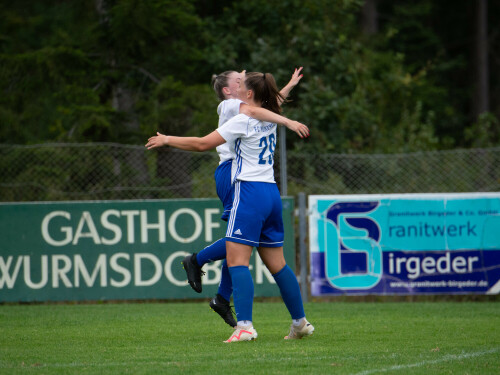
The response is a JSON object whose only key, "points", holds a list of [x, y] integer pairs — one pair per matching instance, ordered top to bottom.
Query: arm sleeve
{"points": [[229, 108], [234, 128]]}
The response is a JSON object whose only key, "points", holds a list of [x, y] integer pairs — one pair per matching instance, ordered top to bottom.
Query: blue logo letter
{"points": [[353, 259]]}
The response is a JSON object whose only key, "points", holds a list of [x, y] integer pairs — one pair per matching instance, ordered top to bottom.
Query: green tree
{"points": [[443, 37], [116, 70], [79, 71], [354, 97]]}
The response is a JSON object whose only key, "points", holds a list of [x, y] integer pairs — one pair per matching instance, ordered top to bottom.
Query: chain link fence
{"points": [[105, 171]]}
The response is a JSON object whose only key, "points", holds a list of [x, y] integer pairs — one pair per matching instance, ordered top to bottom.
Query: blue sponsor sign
{"points": [[405, 244]]}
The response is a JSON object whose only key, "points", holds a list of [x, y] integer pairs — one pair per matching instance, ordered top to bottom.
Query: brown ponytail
{"points": [[265, 90]]}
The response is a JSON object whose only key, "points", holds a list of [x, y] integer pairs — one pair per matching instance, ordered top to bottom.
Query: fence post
{"points": [[283, 175], [302, 247]]}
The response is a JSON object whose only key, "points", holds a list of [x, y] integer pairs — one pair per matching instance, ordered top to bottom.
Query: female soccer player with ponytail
{"points": [[226, 87], [256, 216]]}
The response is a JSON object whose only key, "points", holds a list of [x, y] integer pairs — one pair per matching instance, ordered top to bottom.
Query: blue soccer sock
{"points": [[213, 252], [226, 285], [242, 292], [290, 292]]}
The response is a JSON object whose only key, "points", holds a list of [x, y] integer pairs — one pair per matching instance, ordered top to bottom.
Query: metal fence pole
{"points": [[283, 175], [302, 247]]}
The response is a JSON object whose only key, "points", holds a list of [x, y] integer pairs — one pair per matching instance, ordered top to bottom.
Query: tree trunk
{"points": [[369, 19], [482, 71], [123, 100]]}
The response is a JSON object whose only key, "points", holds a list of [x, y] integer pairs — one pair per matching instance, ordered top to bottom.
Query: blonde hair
{"points": [[219, 81]]}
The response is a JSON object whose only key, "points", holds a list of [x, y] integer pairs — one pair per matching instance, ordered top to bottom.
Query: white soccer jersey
{"points": [[226, 110], [253, 143]]}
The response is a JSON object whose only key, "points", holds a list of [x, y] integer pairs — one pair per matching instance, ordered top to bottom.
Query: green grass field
{"points": [[187, 338]]}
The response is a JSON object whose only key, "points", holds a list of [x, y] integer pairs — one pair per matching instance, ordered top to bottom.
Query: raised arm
{"points": [[296, 77], [263, 114], [198, 144]]}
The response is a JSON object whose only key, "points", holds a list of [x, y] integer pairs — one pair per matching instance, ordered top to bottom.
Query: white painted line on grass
{"points": [[446, 358]]}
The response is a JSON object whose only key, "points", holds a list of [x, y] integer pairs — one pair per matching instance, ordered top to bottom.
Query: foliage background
{"points": [[119, 70]]}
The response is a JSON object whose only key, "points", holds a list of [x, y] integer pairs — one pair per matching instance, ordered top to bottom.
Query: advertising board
{"points": [[405, 244], [114, 250]]}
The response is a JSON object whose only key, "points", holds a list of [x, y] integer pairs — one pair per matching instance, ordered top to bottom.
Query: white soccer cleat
{"points": [[297, 332], [242, 334]]}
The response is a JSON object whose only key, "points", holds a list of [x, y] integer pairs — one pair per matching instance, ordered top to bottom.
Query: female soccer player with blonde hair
{"points": [[226, 87], [256, 215]]}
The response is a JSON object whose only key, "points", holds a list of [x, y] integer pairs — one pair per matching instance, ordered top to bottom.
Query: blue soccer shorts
{"points": [[224, 188], [256, 217]]}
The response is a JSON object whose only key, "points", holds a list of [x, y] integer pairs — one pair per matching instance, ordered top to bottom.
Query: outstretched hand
{"points": [[296, 77], [285, 91], [299, 128], [159, 140]]}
